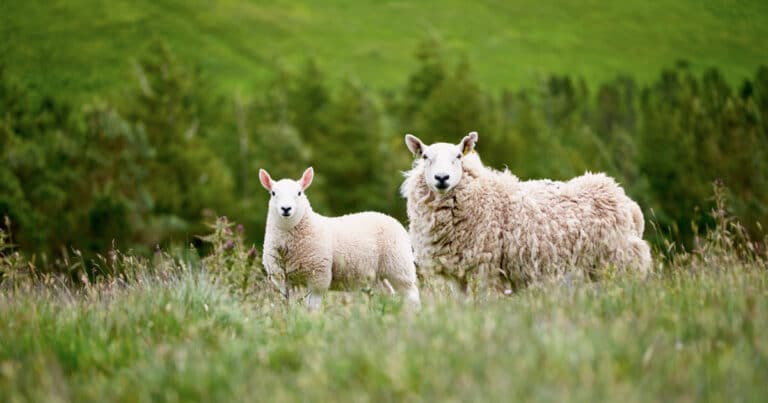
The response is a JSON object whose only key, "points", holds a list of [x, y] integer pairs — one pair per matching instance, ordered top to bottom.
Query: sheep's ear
{"points": [[468, 143], [414, 144], [306, 178], [265, 179]]}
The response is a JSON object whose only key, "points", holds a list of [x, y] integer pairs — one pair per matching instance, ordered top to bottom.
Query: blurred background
{"points": [[133, 124]]}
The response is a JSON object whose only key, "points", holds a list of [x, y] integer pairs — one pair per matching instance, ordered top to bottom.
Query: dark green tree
{"points": [[353, 159], [185, 178]]}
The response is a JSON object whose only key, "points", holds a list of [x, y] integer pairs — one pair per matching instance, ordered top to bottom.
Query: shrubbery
{"points": [[152, 166]]}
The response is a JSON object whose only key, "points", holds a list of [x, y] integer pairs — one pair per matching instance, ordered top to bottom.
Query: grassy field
{"points": [[80, 48], [175, 328], [693, 332]]}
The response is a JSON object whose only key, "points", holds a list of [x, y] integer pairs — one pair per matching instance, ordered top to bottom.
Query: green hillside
{"points": [[83, 47]]}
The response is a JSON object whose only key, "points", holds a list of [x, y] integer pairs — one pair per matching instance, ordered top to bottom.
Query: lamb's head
{"points": [[442, 161], [288, 203]]}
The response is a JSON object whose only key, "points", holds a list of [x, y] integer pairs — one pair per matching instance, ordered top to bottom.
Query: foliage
{"points": [[694, 131], [153, 166], [90, 177], [230, 261]]}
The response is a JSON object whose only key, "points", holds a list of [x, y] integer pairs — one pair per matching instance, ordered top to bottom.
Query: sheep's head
{"points": [[442, 161], [288, 203]]}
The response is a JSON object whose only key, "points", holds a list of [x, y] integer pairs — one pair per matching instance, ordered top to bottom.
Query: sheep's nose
{"points": [[442, 180], [286, 210]]}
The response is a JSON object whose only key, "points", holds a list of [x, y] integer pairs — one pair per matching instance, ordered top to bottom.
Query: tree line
{"points": [[153, 165]]}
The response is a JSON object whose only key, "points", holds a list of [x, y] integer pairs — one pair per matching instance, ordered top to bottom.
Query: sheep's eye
{"points": [[424, 156], [458, 156], [299, 192], [273, 193]]}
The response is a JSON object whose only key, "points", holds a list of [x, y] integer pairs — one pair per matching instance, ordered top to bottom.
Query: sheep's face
{"points": [[442, 161], [288, 203]]}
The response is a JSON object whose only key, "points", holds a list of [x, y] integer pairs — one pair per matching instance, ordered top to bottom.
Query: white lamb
{"points": [[467, 219], [336, 253]]}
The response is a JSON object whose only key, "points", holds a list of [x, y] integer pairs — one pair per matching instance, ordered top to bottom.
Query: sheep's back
{"points": [[492, 221], [571, 223], [359, 241]]}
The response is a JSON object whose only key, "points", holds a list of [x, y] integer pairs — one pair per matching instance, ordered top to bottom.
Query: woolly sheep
{"points": [[467, 219], [333, 253]]}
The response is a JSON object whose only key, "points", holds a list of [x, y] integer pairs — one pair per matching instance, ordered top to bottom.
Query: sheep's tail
{"points": [[637, 218], [640, 254]]}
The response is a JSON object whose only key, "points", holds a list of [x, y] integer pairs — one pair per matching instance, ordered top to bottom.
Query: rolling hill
{"points": [[84, 47]]}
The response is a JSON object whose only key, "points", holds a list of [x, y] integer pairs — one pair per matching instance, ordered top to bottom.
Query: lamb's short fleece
{"points": [[337, 253]]}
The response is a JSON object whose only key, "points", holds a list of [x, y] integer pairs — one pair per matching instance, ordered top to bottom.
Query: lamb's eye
{"points": [[424, 156], [459, 156], [299, 192], [273, 193]]}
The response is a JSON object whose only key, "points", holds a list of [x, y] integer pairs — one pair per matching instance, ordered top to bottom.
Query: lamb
{"points": [[467, 219], [334, 253]]}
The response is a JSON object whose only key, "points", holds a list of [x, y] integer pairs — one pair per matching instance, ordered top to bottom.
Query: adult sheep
{"points": [[468, 219], [333, 253]]}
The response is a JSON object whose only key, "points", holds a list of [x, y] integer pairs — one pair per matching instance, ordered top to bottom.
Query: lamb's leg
{"points": [[398, 268], [401, 275], [318, 283], [388, 286], [407, 288], [412, 296], [314, 300]]}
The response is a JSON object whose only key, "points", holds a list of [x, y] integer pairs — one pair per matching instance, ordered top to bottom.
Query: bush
{"points": [[151, 168]]}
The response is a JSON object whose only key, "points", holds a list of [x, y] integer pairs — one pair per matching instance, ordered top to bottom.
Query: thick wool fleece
{"points": [[492, 223], [342, 253]]}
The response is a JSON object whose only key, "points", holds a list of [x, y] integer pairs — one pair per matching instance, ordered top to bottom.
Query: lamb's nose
{"points": [[442, 177], [286, 210]]}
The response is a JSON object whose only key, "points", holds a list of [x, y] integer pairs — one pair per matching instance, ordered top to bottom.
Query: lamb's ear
{"points": [[468, 143], [414, 144], [306, 178], [265, 179]]}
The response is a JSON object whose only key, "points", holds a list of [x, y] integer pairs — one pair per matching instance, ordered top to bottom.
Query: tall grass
{"points": [[173, 328]]}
